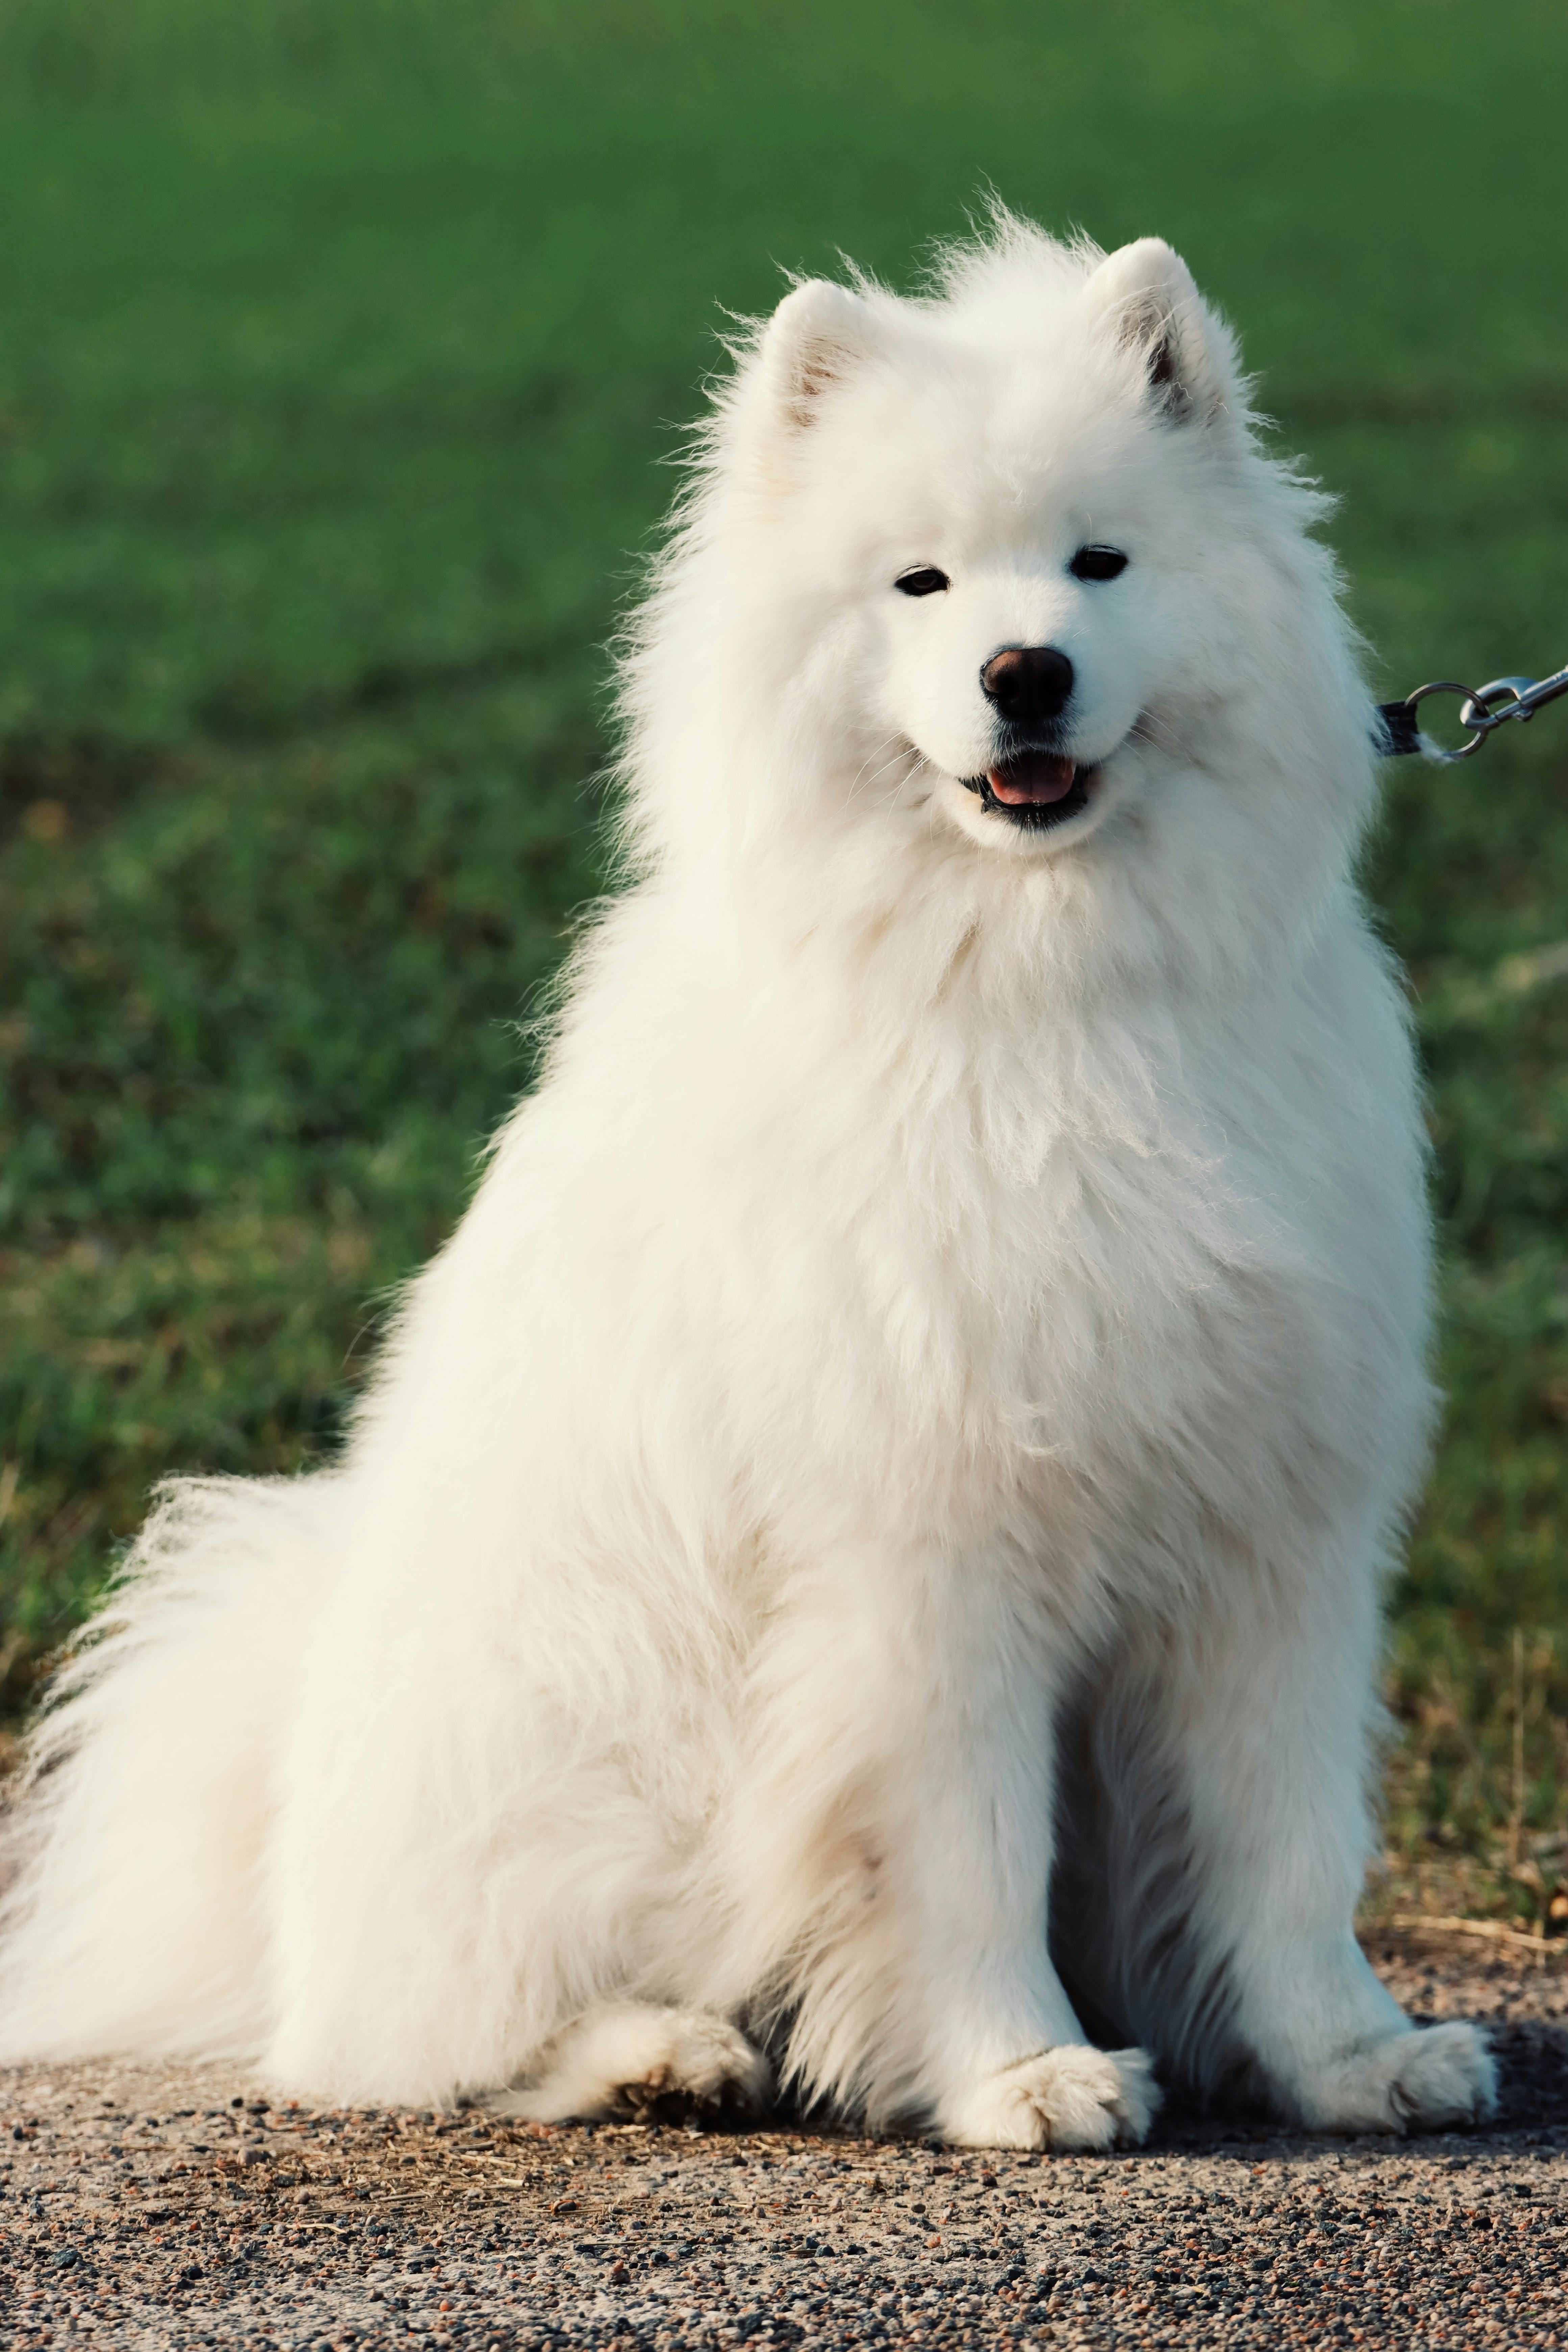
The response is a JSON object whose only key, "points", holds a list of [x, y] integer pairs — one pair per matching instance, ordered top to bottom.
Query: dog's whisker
{"points": [[1148, 728], [900, 755]]}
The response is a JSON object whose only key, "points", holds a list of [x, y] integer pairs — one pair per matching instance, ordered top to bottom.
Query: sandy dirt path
{"points": [[148, 2206]]}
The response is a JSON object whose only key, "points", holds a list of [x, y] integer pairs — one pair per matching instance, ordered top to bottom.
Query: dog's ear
{"points": [[1145, 294], [819, 336]]}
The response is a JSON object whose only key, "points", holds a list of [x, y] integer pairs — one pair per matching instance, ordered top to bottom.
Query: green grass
{"points": [[340, 343]]}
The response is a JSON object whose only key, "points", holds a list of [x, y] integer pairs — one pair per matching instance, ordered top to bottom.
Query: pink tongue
{"points": [[1033, 781]]}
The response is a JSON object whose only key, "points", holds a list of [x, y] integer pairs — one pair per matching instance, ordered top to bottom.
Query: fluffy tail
{"points": [[133, 1918]]}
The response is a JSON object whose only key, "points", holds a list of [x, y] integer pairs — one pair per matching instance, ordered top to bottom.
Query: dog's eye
{"points": [[1098, 563], [924, 580]]}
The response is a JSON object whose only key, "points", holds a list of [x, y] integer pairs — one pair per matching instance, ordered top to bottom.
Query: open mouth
{"points": [[1035, 789]]}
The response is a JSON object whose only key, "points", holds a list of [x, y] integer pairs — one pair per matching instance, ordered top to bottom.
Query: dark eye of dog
{"points": [[1098, 563], [925, 580]]}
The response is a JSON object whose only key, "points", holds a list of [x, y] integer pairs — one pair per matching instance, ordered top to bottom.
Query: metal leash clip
{"points": [[1518, 697]]}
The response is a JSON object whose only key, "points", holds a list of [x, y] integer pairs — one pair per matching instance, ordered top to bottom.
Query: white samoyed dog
{"points": [[862, 1559]]}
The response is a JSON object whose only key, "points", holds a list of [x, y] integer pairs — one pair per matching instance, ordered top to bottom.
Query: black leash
{"points": [[1516, 697]]}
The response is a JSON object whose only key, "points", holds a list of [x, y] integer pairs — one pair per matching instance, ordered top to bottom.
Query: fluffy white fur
{"points": [[911, 1427]]}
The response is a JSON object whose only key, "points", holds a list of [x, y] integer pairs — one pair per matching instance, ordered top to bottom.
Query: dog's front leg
{"points": [[1267, 1701], [890, 1857]]}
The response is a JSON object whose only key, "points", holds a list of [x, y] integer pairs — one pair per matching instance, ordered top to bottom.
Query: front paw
{"points": [[633, 2058], [1431, 2078], [1067, 2098]]}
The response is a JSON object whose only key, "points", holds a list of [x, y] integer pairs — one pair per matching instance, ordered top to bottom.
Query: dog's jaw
{"points": [[1037, 792], [1034, 830]]}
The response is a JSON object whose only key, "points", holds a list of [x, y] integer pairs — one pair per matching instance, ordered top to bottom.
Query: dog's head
{"points": [[1006, 564]]}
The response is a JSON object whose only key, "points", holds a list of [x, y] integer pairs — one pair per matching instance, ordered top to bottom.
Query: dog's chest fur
{"points": [[980, 1270]]}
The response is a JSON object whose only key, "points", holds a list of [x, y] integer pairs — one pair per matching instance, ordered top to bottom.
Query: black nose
{"points": [[1029, 684]]}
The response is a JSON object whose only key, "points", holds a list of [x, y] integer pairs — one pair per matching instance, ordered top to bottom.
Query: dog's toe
{"points": [[631, 2058], [1427, 2080], [1067, 2098]]}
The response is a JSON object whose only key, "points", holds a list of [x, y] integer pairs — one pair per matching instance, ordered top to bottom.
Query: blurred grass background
{"points": [[341, 341]]}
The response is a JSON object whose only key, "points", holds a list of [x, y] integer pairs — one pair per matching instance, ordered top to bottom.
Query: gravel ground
{"points": [[151, 2207]]}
